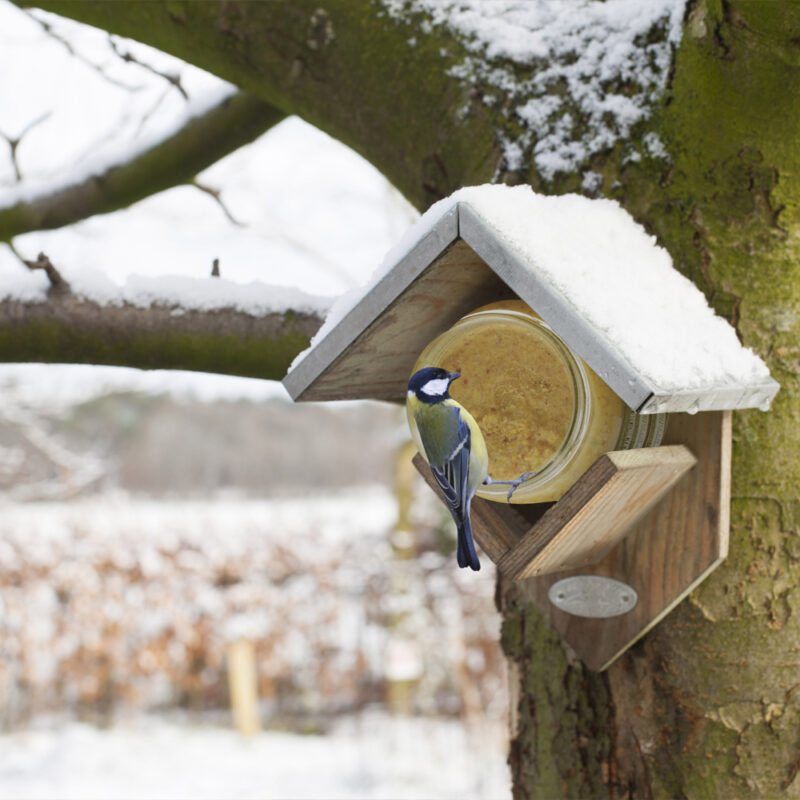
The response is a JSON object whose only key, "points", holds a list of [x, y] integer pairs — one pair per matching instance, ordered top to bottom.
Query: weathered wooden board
{"points": [[371, 353], [378, 363], [594, 515], [666, 554], [663, 555]]}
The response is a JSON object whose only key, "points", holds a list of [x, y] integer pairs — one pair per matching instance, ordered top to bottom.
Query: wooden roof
{"points": [[458, 264]]}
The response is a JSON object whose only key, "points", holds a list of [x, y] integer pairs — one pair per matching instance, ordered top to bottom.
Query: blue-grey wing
{"points": [[452, 474]]}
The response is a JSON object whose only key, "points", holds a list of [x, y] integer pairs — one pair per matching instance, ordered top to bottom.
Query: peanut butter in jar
{"points": [[540, 408]]}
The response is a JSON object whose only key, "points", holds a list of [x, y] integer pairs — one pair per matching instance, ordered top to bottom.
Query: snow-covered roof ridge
{"points": [[596, 277]]}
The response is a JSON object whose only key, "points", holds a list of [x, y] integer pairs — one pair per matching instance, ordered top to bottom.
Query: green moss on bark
{"points": [[727, 210], [51, 341], [705, 707], [563, 746]]}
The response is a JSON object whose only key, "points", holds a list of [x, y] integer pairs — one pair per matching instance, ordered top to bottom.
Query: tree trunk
{"points": [[707, 704]]}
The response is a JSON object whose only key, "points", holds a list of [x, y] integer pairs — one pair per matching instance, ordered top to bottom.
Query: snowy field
{"points": [[133, 599], [137, 600], [368, 756]]}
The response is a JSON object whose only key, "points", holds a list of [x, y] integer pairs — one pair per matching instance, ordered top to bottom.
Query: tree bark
{"points": [[341, 66], [177, 159], [66, 328], [707, 704]]}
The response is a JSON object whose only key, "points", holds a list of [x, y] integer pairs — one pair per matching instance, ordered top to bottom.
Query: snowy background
{"points": [[148, 519]]}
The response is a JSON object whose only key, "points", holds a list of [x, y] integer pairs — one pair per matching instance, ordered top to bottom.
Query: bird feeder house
{"points": [[639, 527]]}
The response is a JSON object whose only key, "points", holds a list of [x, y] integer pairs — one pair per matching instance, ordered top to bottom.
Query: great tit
{"points": [[455, 449]]}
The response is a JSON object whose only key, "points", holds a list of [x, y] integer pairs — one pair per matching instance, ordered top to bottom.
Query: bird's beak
{"points": [[454, 375]]}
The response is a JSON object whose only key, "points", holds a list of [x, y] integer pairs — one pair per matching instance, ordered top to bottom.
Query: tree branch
{"points": [[48, 29], [335, 66], [14, 142], [176, 160], [216, 194], [67, 328]]}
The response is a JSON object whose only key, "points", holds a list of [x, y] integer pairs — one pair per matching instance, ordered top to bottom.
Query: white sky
{"points": [[314, 214]]}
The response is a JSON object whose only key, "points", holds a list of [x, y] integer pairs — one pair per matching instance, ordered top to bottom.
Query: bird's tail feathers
{"points": [[466, 555]]}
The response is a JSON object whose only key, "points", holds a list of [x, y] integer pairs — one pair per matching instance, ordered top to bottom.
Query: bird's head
{"points": [[431, 384]]}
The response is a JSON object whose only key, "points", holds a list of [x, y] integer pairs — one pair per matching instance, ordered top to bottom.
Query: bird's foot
{"points": [[517, 481], [514, 484]]}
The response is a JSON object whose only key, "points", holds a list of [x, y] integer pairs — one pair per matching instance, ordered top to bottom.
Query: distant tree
{"points": [[695, 134]]}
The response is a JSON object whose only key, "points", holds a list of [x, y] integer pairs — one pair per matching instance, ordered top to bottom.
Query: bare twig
{"points": [[48, 29], [129, 58], [150, 111], [13, 142], [217, 195], [15, 252], [57, 283]]}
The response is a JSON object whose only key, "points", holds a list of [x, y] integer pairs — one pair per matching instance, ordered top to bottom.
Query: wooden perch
{"points": [[597, 512]]}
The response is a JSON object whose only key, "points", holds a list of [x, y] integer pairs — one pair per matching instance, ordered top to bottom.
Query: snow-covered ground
{"points": [[110, 606], [366, 756]]}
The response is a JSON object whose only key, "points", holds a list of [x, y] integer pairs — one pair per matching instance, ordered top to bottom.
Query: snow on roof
{"points": [[519, 52], [612, 272], [608, 275]]}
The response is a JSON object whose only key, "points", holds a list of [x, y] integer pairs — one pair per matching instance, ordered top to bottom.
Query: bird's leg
{"points": [[514, 484]]}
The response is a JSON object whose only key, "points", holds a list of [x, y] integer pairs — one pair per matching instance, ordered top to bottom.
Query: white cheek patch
{"points": [[436, 387]]}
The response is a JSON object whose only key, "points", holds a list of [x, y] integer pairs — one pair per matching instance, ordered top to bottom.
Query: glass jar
{"points": [[541, 408]]}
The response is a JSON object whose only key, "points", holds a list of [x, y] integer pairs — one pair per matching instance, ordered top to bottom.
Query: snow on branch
{"points": [[129, 58], [569, 79], [204, 136], [170, 322]]}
